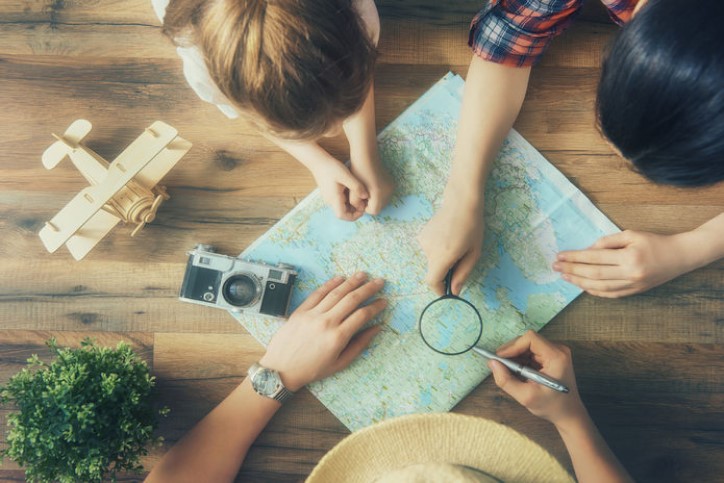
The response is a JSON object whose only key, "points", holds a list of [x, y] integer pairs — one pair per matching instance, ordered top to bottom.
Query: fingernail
{"points": [[561, 257], [557, 267], [360, 275], [566, 277], [338, 278], [378, 281]]}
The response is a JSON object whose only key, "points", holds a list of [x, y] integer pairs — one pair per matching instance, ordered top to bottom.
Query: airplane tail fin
{"points": [[66, 143]]}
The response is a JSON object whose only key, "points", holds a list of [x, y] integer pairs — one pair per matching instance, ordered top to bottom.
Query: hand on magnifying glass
{"points": [[452, 238]]}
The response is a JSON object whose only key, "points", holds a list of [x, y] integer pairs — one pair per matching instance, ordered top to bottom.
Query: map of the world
{"points": [[531, 212]]}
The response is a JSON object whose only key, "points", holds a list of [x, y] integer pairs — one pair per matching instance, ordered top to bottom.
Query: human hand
{"points": [[376, 178], [341, 189], [452, 237], [625, 263], [321, 337], [553, 360]]}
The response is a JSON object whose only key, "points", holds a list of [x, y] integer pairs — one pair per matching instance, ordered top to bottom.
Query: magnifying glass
{"points": [[450, 325]]}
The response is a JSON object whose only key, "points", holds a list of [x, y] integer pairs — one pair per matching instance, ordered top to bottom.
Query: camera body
{"points": [[234, 284]]}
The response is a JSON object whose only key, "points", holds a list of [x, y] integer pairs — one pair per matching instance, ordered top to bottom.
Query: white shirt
{"points": [[197, 75]]}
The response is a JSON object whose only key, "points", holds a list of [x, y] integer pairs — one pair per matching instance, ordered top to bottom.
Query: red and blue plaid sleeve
{"points": [[620, 11], [517, 32]]}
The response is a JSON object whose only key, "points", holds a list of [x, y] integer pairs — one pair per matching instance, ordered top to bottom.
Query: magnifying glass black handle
{"points": [[448, 282]]}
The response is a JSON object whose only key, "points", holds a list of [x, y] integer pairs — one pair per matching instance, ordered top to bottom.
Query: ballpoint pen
{"points": [[523, 371]]}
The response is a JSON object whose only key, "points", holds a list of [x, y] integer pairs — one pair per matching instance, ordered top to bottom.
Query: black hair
{"points": [[661, 95]]}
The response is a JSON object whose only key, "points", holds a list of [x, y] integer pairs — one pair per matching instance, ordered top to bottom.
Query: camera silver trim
{"points": [[266, 276]]}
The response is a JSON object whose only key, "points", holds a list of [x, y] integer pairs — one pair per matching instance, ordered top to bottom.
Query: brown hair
{"points": [[299, 65]]}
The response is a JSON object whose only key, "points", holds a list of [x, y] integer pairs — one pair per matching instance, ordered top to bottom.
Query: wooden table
{"points": [[649, 366]]}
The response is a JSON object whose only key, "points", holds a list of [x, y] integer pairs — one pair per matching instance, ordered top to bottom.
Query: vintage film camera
{"points": [[235, 284]]}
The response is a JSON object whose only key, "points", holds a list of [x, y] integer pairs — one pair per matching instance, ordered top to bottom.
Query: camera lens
{"points": [[240, 290]]}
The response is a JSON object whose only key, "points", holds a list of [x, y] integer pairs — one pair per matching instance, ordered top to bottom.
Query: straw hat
{"points": [[441, 447]]}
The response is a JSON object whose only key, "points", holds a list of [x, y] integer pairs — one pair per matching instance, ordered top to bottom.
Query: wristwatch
{"points": [[266, 382]]}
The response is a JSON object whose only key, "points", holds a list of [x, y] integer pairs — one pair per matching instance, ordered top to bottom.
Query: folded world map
{"points": [[531, 213]]}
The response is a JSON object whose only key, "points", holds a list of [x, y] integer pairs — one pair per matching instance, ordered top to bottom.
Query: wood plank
{"points": [[83, 11], [411, 33], [231, 146], [232, 222], [104, 295], [126, 296], [16, 346], [626, 385]]}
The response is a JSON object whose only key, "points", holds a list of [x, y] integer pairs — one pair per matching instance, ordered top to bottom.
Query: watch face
{"points": [[265, 382]]}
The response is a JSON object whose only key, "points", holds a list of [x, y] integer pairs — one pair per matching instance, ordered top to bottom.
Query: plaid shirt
{"points": [[516, 32]]}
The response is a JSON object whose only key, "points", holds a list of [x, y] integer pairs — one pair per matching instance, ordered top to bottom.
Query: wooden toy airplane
{"points": [[124, 190]]}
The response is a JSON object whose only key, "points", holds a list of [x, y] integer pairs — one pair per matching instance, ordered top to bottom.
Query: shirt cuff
{"points": [[518, 38]]}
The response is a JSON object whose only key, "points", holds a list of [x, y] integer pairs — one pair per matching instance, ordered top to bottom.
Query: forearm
{"points": [[491, 102], [361, 131], [312, 156], [706, 243], [215, 448], [592, 459]]}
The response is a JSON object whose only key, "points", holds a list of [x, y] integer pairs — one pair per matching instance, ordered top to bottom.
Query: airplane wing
{"points": [[66, 144], [142, 151], [163, 162], [91, 199], [73, 216], [91, 233]]}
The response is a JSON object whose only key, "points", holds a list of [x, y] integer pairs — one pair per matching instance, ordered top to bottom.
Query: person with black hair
{"points": [[660, 105]]}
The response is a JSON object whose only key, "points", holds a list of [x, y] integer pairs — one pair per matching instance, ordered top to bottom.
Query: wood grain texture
{"points": [[649, 366]]}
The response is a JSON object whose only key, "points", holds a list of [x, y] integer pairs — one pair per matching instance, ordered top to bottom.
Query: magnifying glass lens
{"points": [[450, 326]]}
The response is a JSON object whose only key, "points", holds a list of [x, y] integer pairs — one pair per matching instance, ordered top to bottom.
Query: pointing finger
{"points": [[592, 256], [593, 272], [597, 285], [321, 292], [338, 293], [354, 299], [361, 316], [357, 344]]}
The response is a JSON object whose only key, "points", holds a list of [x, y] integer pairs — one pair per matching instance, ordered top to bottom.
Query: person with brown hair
{"points": [[300, 70]]}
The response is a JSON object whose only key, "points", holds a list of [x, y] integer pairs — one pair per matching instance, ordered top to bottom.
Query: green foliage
{"points": [[84, 417]]}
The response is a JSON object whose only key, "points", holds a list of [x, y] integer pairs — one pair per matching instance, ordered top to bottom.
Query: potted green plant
{"points": [[84, 417]]}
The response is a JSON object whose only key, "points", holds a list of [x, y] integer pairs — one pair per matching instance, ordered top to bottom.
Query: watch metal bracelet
{"points": [[281, 394]]}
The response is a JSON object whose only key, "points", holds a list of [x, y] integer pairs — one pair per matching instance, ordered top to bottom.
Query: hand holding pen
{"points": [[550, 360], [524, 371]]}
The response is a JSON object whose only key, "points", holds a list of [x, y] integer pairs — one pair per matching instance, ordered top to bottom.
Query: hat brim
{"points": [[442, 437]]}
